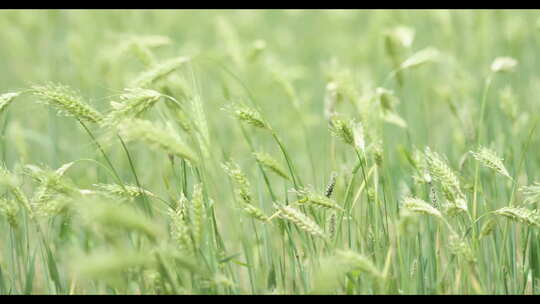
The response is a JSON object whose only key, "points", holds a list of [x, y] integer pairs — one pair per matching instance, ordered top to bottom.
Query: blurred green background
{"points": [[76, 47]]}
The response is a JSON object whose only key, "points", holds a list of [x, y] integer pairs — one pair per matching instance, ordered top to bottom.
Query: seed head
{"points": [[401, 35], [420, 58], [503, 64], [158, 72], [6, 99], [331, 99], [388, 101], [67, 102], [133, 103], [248, 115], [343, 130], [159, 138], [359, 140], [489, 158], [267, 161], [441, 172], [240, 179], [331, 184], [54, 191], [128, 191], [531, 193], [317, 200], [420, 206], [10, 210], [254, 212], [520, 214], [197, 215], [300, 219], [331, 224], [487, 228], [180, 230], [460, 248], [358, 262]]}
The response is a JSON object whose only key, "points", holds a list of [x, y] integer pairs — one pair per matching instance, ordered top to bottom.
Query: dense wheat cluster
{"points": [[269, 152]]}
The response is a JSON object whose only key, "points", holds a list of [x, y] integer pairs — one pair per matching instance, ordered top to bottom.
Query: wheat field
{"points": [[269, 152]]}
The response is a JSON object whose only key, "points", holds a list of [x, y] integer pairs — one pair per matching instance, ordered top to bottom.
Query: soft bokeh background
{"points": [[73, 47]]}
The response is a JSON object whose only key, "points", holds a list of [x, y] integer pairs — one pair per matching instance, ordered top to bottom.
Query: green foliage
{"points": [[349, 158]]}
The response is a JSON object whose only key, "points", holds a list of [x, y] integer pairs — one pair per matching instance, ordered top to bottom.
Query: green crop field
{"points": [[269, 152]]}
